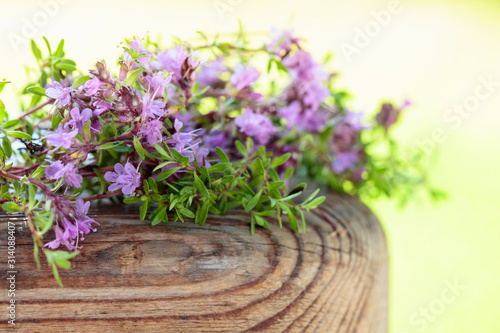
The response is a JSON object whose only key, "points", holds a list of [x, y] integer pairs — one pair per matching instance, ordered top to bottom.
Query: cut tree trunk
{"points": [[181, 277]]}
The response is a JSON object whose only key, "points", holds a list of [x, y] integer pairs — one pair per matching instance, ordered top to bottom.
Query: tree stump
{"points": [[181, 277]]}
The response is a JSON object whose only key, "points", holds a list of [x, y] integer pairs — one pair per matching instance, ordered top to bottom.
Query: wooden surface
{"points": [[133, 277]]}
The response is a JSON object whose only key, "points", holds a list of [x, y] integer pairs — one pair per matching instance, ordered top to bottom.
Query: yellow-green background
{"points": [[432, 52]]}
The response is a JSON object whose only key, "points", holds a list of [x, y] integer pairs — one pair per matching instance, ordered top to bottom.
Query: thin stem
{"points": [[35, 109], [40, 185], [103, 196]]}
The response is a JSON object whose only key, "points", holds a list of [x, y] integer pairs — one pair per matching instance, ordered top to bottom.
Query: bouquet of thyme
{"points": [[188, 130]]}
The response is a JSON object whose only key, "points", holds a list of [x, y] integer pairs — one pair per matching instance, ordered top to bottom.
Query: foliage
{"points": [[187, 131]]}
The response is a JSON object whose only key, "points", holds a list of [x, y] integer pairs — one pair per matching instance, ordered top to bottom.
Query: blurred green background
{"points": [[445, 263]]}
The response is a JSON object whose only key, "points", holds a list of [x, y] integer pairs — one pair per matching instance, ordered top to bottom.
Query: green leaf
{"points": [[47, 44], [60, 49], [36, 51], [65, 66], [133, 76], [80, 81], [2, 85], [36, 90], [174, 109], [56, 120], [10, 123], [86, 130], [19, 135], [108, 145], [249, 145], [7, 147], [138, 148], [240, 148], [161, 150], [222, 155], [183, 160], [280, 160], [164, 164], [220, 167], [259, 167], [38, 172], [288, 172], [165, 174], [205, 176], [227, 179], [102, 181], [145, 185], [275, 185], [201, 187], [291, 196], [311, 196], [132, 200], [252, 202], [315, 203], [10, 207], [143, 210], [186, 212], [201, 214], [278, 214], [160, 216], [261, 221], [293, 221], [303, 221], [252, 225], [37, 257], [61, 259]]}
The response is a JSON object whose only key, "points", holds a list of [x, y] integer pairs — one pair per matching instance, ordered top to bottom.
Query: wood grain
{"points": [[133, 277]]}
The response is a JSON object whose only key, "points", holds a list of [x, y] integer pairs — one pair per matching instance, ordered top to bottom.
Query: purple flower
{"points": [[282, 41], [171, 60], [181, 62], [301, 66], [209, 73], [244, 76], [159, 82], [92, 86], [59, 93], [312, 94], [101, 107], [152, 108], [292, 114], [389, 114], [78, 119], [186, 119], [354, 119], [304, 120], [255, 125], [95, 127], [152, 131], [346, 132], [61, 138], [215, 139], [184, 143], [201, 157], [345, 161], [69, 172], [358, 174], [125, 177], [71, 220], [83, 222], [62, 237]]}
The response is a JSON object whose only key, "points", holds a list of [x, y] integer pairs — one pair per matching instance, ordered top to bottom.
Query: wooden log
{"points": [[181, 277]]}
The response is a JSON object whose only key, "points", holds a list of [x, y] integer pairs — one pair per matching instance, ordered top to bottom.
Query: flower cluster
{"points": [[188, 130]]}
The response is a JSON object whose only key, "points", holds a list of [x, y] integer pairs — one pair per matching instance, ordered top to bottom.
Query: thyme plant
{"points": [[184, 131]]}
